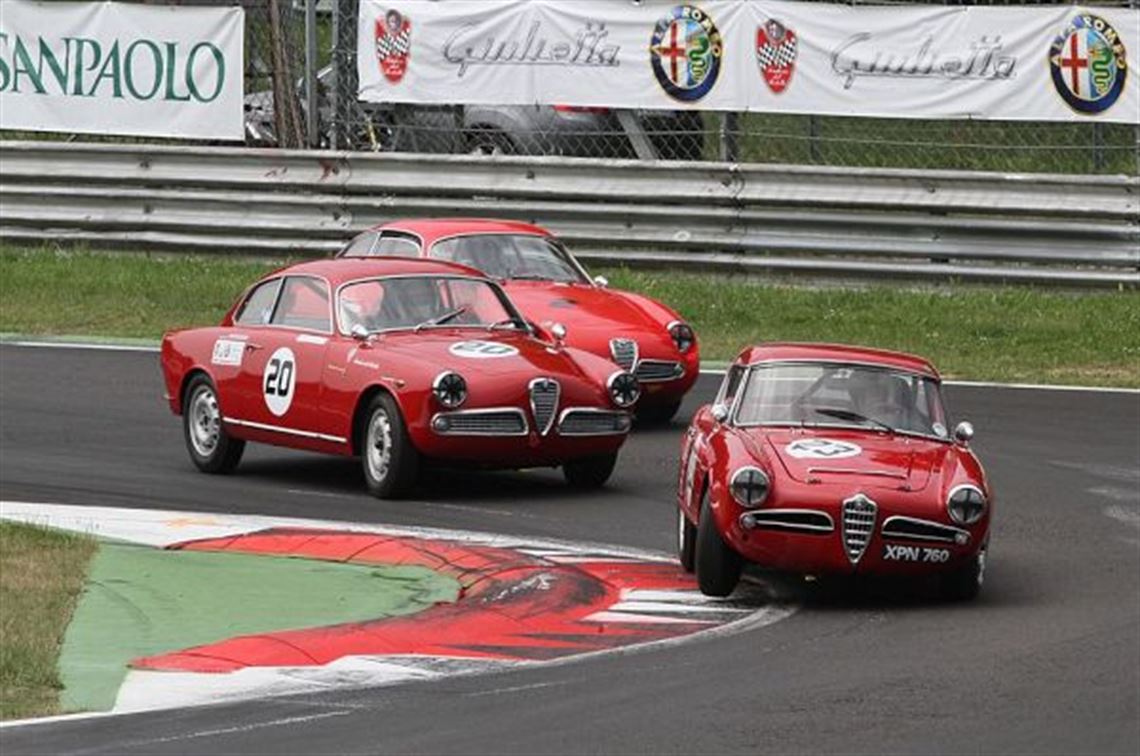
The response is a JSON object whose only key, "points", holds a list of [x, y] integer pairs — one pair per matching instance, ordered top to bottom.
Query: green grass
{"points": [[981, 333], [41, 577]]}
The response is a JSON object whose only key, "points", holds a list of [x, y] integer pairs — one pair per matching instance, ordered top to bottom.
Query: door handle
{"points": [[251, 347]]}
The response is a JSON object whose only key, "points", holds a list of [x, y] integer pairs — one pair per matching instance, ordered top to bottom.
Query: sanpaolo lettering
{"points": [[137, 69]]}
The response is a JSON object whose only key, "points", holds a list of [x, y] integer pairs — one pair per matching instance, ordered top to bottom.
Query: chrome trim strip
{"points": [[841, 363], [677, 369], [485, 411], [592, 411], [290, 431], [853, 471], [758, 519], [954, 534]]}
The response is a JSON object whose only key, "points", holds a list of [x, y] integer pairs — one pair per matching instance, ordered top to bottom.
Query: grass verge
{"points": [[970, 332], [41, 577]]}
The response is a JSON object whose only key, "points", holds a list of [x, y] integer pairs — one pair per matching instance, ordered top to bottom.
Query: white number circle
{"points": [[482, 350], [278, 381], [822, 448]]}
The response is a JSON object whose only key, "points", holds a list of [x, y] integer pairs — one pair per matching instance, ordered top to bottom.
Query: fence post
{"points": [[312, 128], [730, 137], [813, 139]]}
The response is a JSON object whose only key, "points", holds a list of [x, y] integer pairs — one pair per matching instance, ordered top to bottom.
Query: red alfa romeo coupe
{"points": [[551, 287], [399, 362], [823, 459]]}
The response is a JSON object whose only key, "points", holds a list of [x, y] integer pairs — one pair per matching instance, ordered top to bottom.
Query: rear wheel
{"points": [[486, 141], [212, 450], [389, 460], [589, 472], [686, 541], [718, 566], [965, 583]]}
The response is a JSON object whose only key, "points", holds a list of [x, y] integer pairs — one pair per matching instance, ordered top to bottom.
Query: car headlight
{"points": [[683, 335], [624, 388], [450, 389], [749, 486], [966, 504]]}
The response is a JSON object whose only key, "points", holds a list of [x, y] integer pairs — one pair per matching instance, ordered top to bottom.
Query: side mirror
{"points": [[601, 281], [558, 331], [359, 332], [719, 412], [963, 432]]}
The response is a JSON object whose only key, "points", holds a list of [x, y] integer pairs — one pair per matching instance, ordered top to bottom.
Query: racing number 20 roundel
{"points": [[686, 51], [1089, 64], [278, 381]]}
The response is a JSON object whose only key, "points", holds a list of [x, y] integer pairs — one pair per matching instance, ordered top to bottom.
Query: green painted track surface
{"points": [[141, 601]]}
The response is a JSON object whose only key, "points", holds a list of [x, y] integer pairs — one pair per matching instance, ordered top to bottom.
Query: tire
{"points": [[482, 141], [657, 414], [211, 449], [390, 462], [589, 472], [686, 542], [718, 566], [965, 583]]}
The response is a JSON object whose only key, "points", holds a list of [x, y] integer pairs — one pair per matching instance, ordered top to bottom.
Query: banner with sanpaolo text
{"points": [[1040, 63], [120, 68]]}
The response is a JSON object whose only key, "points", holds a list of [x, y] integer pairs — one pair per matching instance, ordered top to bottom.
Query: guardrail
{"points": [[1047, 229]]}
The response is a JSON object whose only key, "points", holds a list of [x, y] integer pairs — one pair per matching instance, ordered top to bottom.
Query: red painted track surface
{"points": [[513, 606]]}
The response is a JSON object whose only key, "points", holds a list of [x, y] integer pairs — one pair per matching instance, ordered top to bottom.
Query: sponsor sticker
{"points": [[393, 44], [776, 48], [685, 51], [1089, 64], [482, 350], [228, 352], [279, 380], [822, 448], [893, 552]]}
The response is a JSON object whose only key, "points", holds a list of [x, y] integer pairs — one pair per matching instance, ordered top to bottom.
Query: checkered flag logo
{"points": [[393, 45], [397, 45], [776, 48]]}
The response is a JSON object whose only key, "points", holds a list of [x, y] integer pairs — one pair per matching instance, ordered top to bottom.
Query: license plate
{"points": [[893, 552]]}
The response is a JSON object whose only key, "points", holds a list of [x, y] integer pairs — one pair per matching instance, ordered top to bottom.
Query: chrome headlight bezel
{"points": [[683, 335], [624, 388], [449, 389], [750, 486], [966, 504]]}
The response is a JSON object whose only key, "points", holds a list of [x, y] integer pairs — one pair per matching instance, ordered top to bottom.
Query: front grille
{"points": [[624, 352], [658, 370], [543, 403], [497, 422], [587, 422], [795, 520], [858, 525], [913, 529]]}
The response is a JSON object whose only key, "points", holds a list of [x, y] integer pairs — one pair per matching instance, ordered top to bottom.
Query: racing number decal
{"points": [[482, 350], [278, 381]]}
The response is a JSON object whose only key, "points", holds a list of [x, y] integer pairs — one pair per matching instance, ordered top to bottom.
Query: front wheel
{"points": [[212, 450], [389, 460], [589, 472], [686, 542], [718, 566], [965, 583]]}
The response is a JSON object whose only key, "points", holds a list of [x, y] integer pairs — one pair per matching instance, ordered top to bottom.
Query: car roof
{"points": [[433, 229], [345, 269], [812, 352]]}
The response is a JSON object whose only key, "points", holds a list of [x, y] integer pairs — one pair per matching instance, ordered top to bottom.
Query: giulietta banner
{"points": [[1040, 63], [119, 68]]}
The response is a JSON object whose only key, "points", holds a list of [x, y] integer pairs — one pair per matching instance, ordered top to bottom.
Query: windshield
{"points": [[511, 256], [383, 304], [842, 395]]}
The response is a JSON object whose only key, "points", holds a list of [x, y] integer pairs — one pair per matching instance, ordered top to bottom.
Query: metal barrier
{"points": [[835, 222]]}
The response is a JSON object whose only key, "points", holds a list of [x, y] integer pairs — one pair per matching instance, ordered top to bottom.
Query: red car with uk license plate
{"points": [[551, 287], [403, 363], [831, 460]]}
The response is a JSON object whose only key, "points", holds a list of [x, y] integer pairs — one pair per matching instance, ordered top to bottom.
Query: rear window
{"points": [[304, 304]]}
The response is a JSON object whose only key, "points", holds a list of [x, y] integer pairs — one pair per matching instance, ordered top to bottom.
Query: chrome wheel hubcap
{"points": [[205, 422], [379, 445]]}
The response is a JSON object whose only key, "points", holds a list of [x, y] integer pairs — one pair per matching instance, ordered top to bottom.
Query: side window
{"points": [[396, 245], [361, 246], [304, 304], [258, 306], [731, 385]]}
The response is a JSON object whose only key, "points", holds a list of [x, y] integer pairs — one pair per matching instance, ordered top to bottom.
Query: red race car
{"points": [[550, 286], [400, 362], [825, 459]]}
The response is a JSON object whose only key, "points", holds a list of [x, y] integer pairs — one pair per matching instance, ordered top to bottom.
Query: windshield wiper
{"points": [[527, 277], [444, 318], [502, 324], [855, 417]]}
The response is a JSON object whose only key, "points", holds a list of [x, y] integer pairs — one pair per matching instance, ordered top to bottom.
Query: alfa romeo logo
{"points": [[393, 45], [686, 51], [1089, 64], [822, 448]]}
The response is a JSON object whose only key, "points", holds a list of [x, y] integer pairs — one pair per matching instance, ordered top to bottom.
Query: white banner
{"points": [[1039, 63], [118, 68]]}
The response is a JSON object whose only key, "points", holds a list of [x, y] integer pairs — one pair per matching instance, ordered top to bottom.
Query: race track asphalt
{"points": [[1046, 661]]}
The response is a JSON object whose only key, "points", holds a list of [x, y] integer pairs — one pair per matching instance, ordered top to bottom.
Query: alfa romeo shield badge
{"points": [[393, 45], [776, 47], [686, 51], [1089, 64]]}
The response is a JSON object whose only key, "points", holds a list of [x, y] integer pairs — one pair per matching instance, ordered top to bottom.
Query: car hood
{"points": [[588, 312], [471, 351], [865, 459]]}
